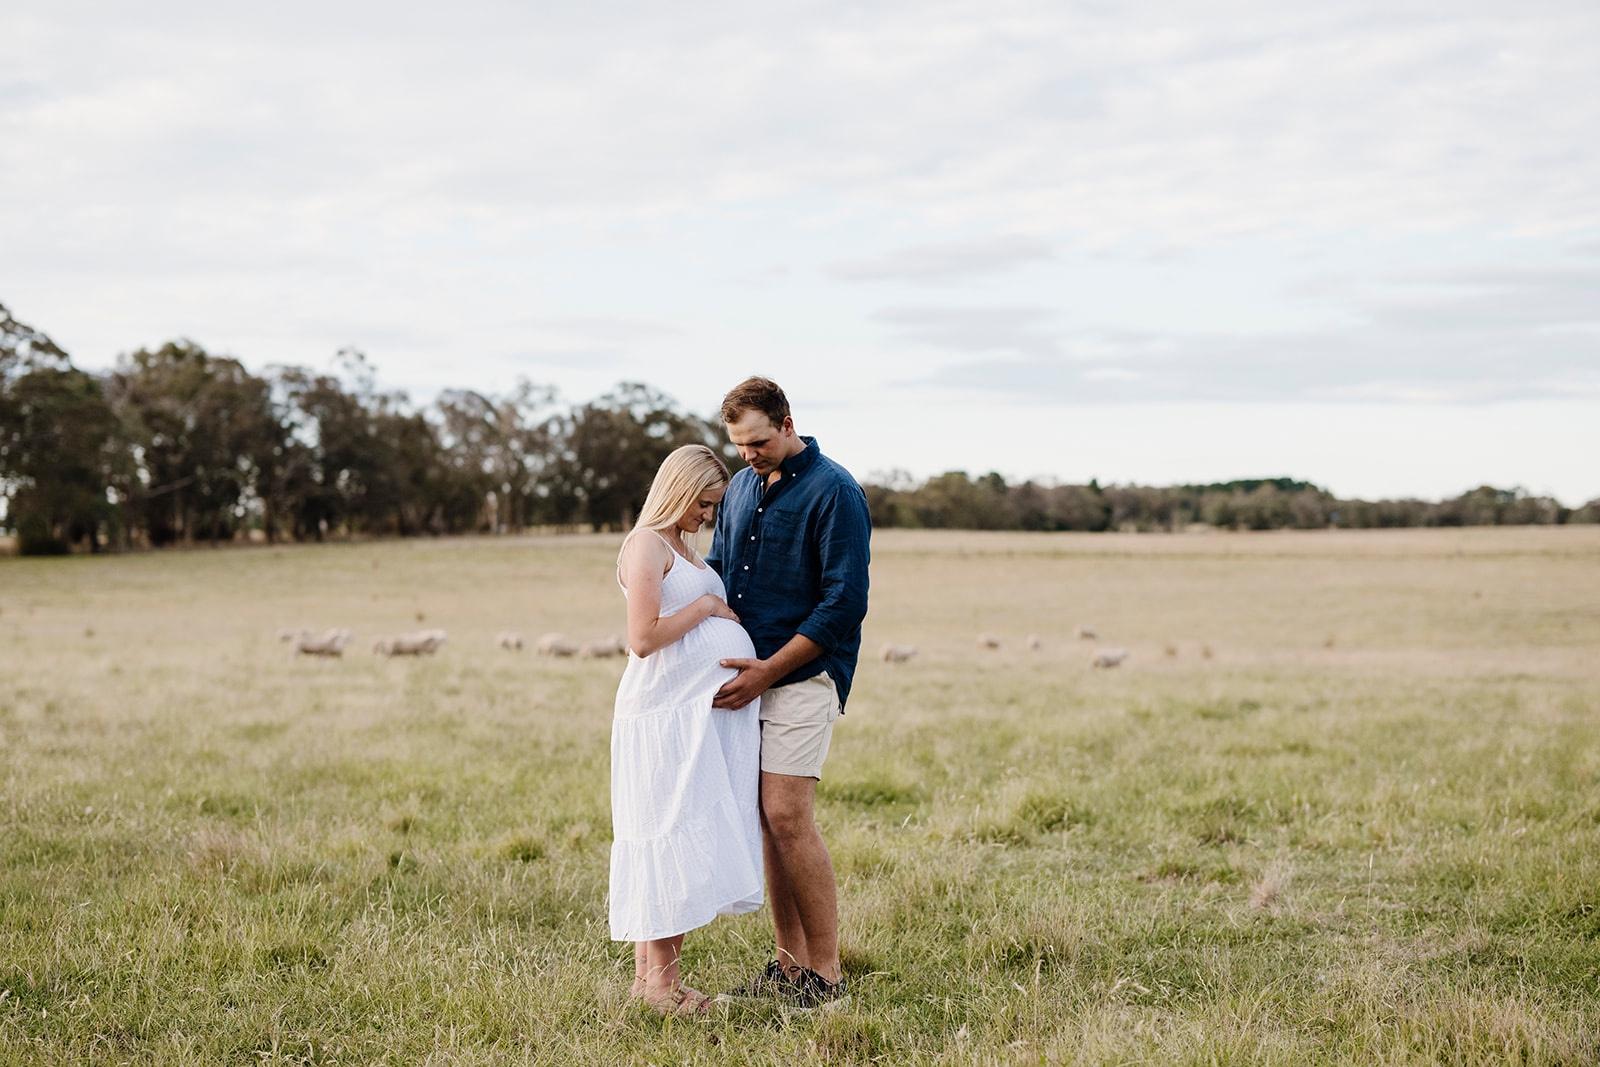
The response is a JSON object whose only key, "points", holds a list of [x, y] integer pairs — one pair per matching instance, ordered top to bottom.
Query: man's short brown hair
{"points": [[756, 394]]}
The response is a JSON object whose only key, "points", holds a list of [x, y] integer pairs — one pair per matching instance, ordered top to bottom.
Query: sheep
{"points": [[1087, 633], [509, 640], [988, 641], [328, 643], [419, 643], [1034, 644], [556, 645], [605, 648], [1170, 650], [1205, 652], [897, 653], [1108, 657]]}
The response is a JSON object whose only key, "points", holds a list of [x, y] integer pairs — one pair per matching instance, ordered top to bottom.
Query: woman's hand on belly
{"points": [[718, 608]]}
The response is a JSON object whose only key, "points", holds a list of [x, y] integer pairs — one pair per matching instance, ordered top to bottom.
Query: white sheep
{"points": [[1087, 633], [509, 640], [988, 641], [328, 643], [419, 643], [1034, 644], [556, 645], [603, 649], [897, 653], [1108, 657]]}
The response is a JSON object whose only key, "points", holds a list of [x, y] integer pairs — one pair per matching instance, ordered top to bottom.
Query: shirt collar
{"points": [[801, 460]]}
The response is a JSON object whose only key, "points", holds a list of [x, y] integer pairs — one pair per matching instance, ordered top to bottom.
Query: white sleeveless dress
{"points": [[685, 778]]}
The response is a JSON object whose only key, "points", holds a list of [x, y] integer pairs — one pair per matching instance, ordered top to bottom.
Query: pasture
{"points": [[1365, 828]]}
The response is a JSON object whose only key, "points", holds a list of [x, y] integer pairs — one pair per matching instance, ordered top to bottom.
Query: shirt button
{"points": [[759, 510], [752, 537], [747, 566], [739, 597]]}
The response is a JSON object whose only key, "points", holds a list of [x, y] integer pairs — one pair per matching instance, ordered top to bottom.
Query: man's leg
{"points": [[804, 881], [789, 934]]}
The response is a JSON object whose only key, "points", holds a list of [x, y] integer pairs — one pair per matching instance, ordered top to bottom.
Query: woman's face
{"points": [[702, 510]]}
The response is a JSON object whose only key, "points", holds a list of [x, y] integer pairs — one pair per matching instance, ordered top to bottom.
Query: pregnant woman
{"points": [[686, 834]]}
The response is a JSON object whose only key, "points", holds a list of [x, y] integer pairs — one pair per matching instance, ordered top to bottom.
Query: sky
{"points": [[1357, 243]]}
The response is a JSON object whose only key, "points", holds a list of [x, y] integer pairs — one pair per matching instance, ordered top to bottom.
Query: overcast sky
{"points": [[1352, 242]]}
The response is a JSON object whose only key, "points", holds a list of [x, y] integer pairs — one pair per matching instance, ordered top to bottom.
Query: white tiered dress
{"points": [[685, 778]]}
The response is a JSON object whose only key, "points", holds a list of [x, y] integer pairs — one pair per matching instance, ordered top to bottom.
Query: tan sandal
{"points": [[679, 1000]]}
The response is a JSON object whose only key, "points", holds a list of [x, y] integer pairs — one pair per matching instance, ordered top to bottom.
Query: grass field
{"points": [[1365, 829]]}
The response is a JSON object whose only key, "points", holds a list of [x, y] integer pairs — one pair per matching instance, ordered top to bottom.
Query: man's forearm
{"points": [[796, 653]]}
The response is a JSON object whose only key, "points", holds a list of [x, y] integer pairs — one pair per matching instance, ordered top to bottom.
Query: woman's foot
{"points": [[676, 999]]}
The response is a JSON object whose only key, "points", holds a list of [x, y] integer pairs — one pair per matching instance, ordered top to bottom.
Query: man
{"points": [[792, 546]]}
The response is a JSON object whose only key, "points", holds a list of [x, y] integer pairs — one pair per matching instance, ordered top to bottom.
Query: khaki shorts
{"points": [[796, 726]]}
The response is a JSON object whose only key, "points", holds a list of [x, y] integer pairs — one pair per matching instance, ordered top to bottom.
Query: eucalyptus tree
{"points": [[201, 428], [60, 451], [607, 451]]}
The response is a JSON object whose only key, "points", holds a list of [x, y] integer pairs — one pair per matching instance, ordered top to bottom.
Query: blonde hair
{"points": [[687, 472]]}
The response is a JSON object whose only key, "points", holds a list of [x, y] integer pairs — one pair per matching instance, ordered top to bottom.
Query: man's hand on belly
{"points": [[757, 675], [754, 678]]}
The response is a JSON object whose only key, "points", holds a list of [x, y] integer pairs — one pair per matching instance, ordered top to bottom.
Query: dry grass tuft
{"points": [[224, 849], [1268, 890]]}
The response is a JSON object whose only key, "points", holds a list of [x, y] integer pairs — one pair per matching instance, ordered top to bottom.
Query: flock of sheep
{"points": [[427, 642], [332, 643], [1101, 657]]}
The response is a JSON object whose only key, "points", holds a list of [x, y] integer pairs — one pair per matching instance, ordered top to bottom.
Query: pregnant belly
{"points": [[719, 639], [687, 671]]}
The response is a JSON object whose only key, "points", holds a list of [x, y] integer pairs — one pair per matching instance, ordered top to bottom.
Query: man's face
{"points": [[761, 444]]}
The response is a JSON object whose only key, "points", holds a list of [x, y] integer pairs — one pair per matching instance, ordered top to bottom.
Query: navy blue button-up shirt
{"points": [[794, 556]]}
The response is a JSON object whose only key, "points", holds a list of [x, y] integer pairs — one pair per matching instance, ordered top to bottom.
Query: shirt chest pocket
{"points": [[781, 553]]}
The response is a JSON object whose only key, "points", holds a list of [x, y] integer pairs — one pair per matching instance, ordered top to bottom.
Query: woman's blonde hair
{"points": [[687, 472]]}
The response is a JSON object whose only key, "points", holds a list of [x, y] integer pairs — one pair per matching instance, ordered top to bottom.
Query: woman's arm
{"points": [[645, 561]]}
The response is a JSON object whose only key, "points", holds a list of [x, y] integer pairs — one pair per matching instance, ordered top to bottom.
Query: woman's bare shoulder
{"points": [[643, 552]]}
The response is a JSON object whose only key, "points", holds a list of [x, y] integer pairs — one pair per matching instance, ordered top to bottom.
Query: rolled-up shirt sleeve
{"points": [[844, 534]]}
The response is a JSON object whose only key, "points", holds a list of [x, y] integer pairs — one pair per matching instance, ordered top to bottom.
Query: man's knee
{"points": [[787, 820]]}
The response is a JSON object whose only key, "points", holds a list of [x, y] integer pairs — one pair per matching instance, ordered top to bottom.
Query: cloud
{"points": [[1169, 127], [946, 262], [1019, 330], [1458, 337], [586, 343]]}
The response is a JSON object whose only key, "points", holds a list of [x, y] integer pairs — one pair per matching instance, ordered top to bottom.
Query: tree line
{"points": [[177, 445], [957, 500]]}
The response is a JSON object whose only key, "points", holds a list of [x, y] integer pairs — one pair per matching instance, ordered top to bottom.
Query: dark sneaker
{"points": [[770, 984], [811, 991]]}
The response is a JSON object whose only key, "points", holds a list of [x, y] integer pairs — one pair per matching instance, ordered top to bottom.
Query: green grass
{"points": [[1364, 829]]}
